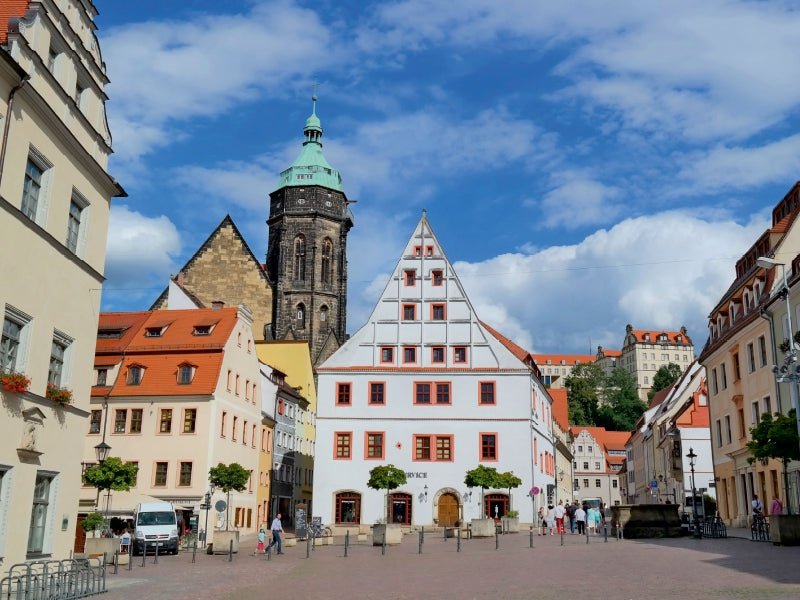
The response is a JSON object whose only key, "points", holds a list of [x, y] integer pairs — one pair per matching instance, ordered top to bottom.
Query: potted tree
{"points": [[776, 436], [111, 474], [386, 477], [483, 477], [228, 478], [510, 520]]}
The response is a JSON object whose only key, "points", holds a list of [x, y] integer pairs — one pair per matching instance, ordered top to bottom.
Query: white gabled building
{"points": [[425, 386]]}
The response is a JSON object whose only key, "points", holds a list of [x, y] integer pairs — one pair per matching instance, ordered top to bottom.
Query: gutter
{"points": [[7, 125]]}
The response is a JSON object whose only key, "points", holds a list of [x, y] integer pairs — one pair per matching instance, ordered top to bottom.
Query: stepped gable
{"points": [[423, 280]]}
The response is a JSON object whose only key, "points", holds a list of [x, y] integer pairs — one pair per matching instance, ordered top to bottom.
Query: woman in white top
{"points": [[591, 519]]}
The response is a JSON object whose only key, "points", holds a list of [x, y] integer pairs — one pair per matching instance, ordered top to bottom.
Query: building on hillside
{"points": [[55, 195], [223, 269], [644, 352], [738, 357], [292, 360], [607, 360], [555, 368], [425, 386], [177, 392], [598, 458], [563, 469]]}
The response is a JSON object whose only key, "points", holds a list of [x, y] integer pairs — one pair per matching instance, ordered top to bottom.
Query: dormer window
{"points": [[201, 330], [154, 331], [109, 334], [646, 337], [680, 339], [185, 373], [135, 374]]}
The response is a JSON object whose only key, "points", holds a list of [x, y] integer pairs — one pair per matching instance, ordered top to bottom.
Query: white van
{"points": [[155, 525]]}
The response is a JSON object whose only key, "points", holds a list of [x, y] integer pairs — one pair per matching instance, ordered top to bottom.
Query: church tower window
{"points": [[327, 253], [299, 257]]}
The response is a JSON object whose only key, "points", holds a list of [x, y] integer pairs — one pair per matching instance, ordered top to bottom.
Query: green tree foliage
{"points": [[664, 377], [582, 387], [621, 406], [775, 437], [112, 474], [386, 477], [483, 477], [229, 478], [508, 481], [93, 522]]}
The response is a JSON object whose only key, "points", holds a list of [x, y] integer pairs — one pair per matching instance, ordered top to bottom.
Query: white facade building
{"points": [[425, 386]]}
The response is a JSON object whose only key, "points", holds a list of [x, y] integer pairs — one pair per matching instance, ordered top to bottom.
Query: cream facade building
{"points": [[55, 196], [644, 352], [555, 368], [177, 392]]}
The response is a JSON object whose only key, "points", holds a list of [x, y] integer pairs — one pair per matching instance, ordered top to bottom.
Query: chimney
{"points": [[179, 279], [217, 304]]}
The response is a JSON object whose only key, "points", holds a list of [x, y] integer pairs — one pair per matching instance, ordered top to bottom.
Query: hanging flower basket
{"points": [[15, 382], [59, 395]]}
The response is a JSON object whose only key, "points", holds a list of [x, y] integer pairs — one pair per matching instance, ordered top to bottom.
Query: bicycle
{"points": [[319, 530]]}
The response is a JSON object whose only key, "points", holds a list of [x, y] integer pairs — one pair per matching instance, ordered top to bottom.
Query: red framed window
{"points": [[417, 251], [428, 251], [410, 278], [436, 278], [409, 312], [437, 312], [387, 354], [409, 354], [437, 354], [460, 354], [377, 392], [343, 393], [422, 393], [443, 393], [487, 395], [373, 444], [488, 446], [433, 447], [343, 450], [348, 507]]}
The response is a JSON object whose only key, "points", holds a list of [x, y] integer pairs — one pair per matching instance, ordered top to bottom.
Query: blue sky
{"points": [[585, 164]]}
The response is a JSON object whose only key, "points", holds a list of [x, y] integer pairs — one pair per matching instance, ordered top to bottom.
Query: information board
{"points": [[300, 524]]}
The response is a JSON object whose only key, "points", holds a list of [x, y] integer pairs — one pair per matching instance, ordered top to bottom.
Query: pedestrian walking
{"points": [[776, 506], [560, 511], [571, 513], [551, 518], [591, 519], [542, 521], [277, 530], [262, 537]]}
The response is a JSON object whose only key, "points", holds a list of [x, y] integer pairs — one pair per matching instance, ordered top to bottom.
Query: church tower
{"points": [[309, 219]]}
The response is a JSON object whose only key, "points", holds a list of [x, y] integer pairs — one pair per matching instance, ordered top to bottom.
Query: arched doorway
{"points": [[496, 505], [401, 508], [448, 510]]}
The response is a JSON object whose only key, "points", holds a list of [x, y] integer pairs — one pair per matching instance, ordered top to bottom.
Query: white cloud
{"points": [[577, 200], [140, 255], [661, 271]]}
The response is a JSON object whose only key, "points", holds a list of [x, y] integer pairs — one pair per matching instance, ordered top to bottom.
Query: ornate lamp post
{"points": [[101, 452], [207, 506], [697, 533]]}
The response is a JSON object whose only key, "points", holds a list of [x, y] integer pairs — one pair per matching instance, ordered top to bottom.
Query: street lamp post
{"points": [[101, 452], [207, 505], [697, 533]]}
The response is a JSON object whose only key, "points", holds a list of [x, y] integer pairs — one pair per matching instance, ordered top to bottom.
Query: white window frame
{"points": [[43, 198], [83, 204], [24, 321], [62, 339]]}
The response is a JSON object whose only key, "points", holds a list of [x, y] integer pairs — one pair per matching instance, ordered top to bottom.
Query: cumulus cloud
{"points": [[140, 256], [661, 271]]}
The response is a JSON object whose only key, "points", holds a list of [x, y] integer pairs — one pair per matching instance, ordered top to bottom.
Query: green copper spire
{"points": [[311, 168]]}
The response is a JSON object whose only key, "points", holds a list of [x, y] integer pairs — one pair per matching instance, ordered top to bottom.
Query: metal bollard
{"points": [[444, 531], [605, 532], [587, 535], [562, 538], [458, 539], [496, 539], [346, 542], [420, 542], [383, 544], [308, 547], [194, 552], [230, 552], [144, 553], [269, 553], [130, 559], [155, 560], [116, 561]]}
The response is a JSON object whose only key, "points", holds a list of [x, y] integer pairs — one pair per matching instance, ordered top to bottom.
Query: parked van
{"points": [[155, 525]]}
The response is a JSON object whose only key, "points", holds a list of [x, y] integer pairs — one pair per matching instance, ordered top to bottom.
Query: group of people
{"points": [[775, 507], [585, 517]]}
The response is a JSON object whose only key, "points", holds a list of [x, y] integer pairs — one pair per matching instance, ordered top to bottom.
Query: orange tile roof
{"points": [[8, 10], [671, 335], [517, 351], [612, 353], [160, 356], [569, 359], [660, 396], [560, 407], [611, 440]]}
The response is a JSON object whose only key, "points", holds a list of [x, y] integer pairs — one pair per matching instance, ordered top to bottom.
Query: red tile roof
{"points": [[8, 10], [641, 335], [517, 351], [160, 356], [569, 359], [560, 407]]}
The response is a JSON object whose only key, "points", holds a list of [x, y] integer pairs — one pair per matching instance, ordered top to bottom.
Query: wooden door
{"points": [[448, 510]]}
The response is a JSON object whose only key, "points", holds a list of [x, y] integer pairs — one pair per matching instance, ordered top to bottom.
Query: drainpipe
{"points": [[12, 94], [768, 317]]}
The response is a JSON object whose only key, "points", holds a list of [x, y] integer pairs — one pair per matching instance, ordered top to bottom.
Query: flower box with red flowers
{"points": [[14, 382], [59, 395]]}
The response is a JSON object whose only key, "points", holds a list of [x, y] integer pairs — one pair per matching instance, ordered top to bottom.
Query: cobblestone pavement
{"points": [[682, 568]]}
